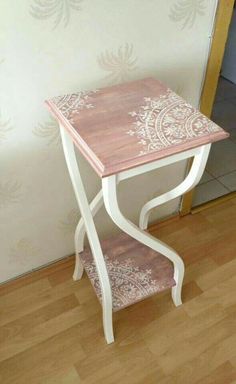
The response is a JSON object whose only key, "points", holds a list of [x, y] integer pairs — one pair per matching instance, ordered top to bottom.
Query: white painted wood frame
{"points": [[108, 195]]}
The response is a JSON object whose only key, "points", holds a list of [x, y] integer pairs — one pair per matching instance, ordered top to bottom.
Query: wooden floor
{"points": [[51, 331]]}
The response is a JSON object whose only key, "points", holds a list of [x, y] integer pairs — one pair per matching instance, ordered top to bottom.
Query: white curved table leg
{"points": [[190, 181], [109, 186], [80, 232], [95, 246]]}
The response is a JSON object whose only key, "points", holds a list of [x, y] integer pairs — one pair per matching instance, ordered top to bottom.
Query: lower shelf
{"points": [[135, 271]]}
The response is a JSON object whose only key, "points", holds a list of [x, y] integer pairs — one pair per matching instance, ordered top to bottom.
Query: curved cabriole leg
{"points": [[190, 181], [109, 185], [80, 232], [79, 246], [95, 246]]}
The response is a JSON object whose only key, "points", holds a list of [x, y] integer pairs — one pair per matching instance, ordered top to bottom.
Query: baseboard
{"points": [[214, 202], [162, 222]]}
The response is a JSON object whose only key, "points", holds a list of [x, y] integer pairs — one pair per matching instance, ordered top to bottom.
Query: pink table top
{"points": [[124, 126]]}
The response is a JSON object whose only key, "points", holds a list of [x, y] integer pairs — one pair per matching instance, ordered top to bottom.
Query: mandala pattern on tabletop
{"points": [[68, 104], [166, 121]]}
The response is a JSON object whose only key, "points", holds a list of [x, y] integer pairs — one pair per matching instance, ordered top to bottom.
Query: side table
{"points": [[124, 131]]}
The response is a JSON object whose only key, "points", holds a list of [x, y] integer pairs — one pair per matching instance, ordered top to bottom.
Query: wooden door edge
{"points": [[221, 28]]}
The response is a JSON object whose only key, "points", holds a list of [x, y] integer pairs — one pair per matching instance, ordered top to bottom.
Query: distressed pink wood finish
{"points": [[127, 125], [135, 271]]}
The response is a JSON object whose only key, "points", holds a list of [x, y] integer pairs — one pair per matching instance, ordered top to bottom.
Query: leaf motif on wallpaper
{"points": [[59, 10], [187, 11], [119, 64], [179, 89], [5, 127], [48, 131], [10, 193], [68, 225], [23, 252]]}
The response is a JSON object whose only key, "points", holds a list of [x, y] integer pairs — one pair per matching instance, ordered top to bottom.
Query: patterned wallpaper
{"points": [[52, 47]]}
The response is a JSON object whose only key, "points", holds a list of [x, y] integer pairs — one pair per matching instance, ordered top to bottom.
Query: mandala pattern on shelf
{"points": [[68, 104], [167, 121], [129, 284]]}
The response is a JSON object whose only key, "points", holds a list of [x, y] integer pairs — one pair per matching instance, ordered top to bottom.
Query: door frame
{"points": [[221, 28]]}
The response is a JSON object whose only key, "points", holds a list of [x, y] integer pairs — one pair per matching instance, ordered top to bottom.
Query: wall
{"points": [[54, 47]]}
